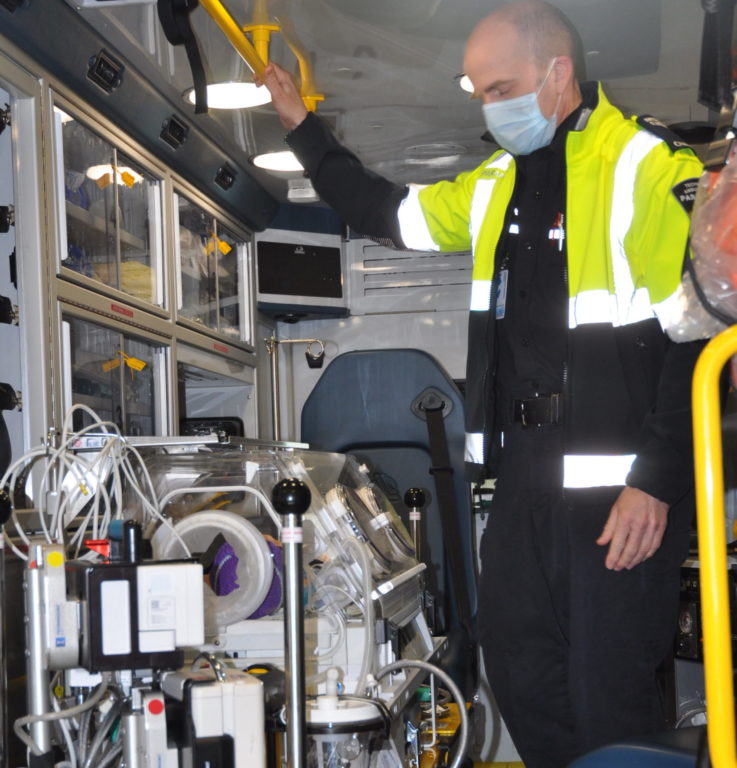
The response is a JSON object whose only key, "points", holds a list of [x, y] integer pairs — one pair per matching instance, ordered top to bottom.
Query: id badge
{"points": [[501, 294]]}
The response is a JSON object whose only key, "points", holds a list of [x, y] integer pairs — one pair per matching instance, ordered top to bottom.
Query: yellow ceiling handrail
{"points": [[260, 29], [234, 33], [256, 54], [307, 91], [715, 612]]}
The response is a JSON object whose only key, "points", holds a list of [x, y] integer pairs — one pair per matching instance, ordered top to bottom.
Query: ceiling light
{"points": [[466, 84], [233, 95], [278, 161], [433, 162]]}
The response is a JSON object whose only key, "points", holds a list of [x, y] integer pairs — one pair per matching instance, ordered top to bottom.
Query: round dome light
{"points": [[233, 95], [284, 161]]}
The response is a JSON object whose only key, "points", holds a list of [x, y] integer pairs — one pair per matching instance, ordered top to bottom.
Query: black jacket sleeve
{"points": [[365, 201], [664, 464]]}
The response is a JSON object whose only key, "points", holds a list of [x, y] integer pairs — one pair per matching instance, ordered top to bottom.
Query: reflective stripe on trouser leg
{"points": [[588, 471]]}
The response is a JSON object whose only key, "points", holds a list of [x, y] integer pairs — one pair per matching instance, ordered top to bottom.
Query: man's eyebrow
{"points": [[496, 84]]}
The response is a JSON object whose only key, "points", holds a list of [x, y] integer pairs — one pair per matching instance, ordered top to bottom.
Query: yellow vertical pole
{"points": [[713, 549]]}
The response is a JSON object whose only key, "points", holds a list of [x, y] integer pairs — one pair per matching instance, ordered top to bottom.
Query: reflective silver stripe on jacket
{"points": [[482, 191], [412, 224], [627, 304], [474, 447], [587, 471]]}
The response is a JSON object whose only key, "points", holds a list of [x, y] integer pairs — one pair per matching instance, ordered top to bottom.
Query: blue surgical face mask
{"points": [[518, 125]]}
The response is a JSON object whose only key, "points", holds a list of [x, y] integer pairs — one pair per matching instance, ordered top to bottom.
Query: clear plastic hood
{"points": [[216, 504]]}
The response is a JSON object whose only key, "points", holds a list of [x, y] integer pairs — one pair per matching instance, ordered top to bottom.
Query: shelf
{"points": [[99, 224]]}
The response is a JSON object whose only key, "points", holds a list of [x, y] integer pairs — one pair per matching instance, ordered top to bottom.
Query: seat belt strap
{"points": [[174, 18], [442, 473]]}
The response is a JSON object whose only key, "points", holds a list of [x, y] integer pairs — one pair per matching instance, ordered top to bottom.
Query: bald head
{"points": [[545, 29], [523, 47]]}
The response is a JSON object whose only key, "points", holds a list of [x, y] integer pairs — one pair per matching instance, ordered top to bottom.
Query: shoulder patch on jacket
{"points": [[661, 130], [685, 193]]}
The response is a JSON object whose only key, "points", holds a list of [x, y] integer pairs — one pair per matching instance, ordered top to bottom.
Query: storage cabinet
{"points": [[111, 224], [136, 254], [210, 271], [115, 374]]}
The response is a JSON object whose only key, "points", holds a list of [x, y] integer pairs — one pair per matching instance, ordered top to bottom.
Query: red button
{"points": [[156, 706]]}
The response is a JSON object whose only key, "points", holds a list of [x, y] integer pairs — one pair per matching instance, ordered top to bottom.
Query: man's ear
{"points": [[562, 73]]}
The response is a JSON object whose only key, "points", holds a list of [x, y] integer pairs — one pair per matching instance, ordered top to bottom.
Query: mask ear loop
{"points": [[547, 75], [542, 85]]}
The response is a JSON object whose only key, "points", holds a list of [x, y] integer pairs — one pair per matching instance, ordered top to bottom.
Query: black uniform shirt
{"points": [[532, 308]]}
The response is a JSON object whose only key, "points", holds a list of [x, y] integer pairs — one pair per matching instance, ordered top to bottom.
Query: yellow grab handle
{"points": [[234, 33], [707, 428]]}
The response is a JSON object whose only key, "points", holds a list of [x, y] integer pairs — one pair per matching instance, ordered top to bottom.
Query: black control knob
{"points": [[291, 497], [414, 498], [132, 538]]}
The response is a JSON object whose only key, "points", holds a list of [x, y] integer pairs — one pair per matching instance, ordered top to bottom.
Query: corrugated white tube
{"points": [[368, 615]]}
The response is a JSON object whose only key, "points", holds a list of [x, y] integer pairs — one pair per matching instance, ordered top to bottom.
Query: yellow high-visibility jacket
{"points": [[626, 233]]}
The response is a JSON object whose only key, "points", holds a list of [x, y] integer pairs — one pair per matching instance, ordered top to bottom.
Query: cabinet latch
{"points": [[4, 118], [7, 218], [8, 311], [10, 399]]}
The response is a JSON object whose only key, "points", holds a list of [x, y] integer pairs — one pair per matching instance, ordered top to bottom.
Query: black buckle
{"points": [[536, 411]]}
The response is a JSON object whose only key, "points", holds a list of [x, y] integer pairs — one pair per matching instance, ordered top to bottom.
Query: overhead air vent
{"points": [[106, 71], [174, 132], [225, 176]]}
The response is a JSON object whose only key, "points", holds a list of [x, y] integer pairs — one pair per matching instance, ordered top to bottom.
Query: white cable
{"points": [[59, 457], [22, 460], [11, 474], [227, 489], [155, 513], [9, 542], [452, 687], [62, 714], [71, 749]]}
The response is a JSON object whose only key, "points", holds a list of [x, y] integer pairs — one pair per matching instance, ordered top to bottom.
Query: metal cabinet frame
{"points": [[50, 290]]}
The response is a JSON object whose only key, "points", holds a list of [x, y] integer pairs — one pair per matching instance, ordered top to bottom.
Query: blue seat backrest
{"points": [[362, 405]]}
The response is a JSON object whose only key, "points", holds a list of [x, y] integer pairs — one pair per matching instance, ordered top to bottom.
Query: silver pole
{"points": [[272, 346], [291, 499], [36, 661], [132, 748]]}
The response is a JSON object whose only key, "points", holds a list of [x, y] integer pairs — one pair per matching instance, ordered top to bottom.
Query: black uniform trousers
{"points": [[571, 649]]}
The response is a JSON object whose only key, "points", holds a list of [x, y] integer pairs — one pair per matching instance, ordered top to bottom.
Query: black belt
{"points": [[536, 411]]}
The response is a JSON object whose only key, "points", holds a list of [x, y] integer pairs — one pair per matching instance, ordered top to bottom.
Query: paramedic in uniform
{"points": [[577, 402]]}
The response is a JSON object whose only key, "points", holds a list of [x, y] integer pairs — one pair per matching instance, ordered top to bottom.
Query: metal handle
{"points": [[217, 666]]}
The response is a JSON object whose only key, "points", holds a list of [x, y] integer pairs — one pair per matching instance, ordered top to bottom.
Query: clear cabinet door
{"points": [[112, 229], [197, 265], [210, 280], [229, 289], [116, 375]]}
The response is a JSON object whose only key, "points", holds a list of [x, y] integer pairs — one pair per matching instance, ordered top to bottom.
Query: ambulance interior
{"points": [[225, 544]]}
